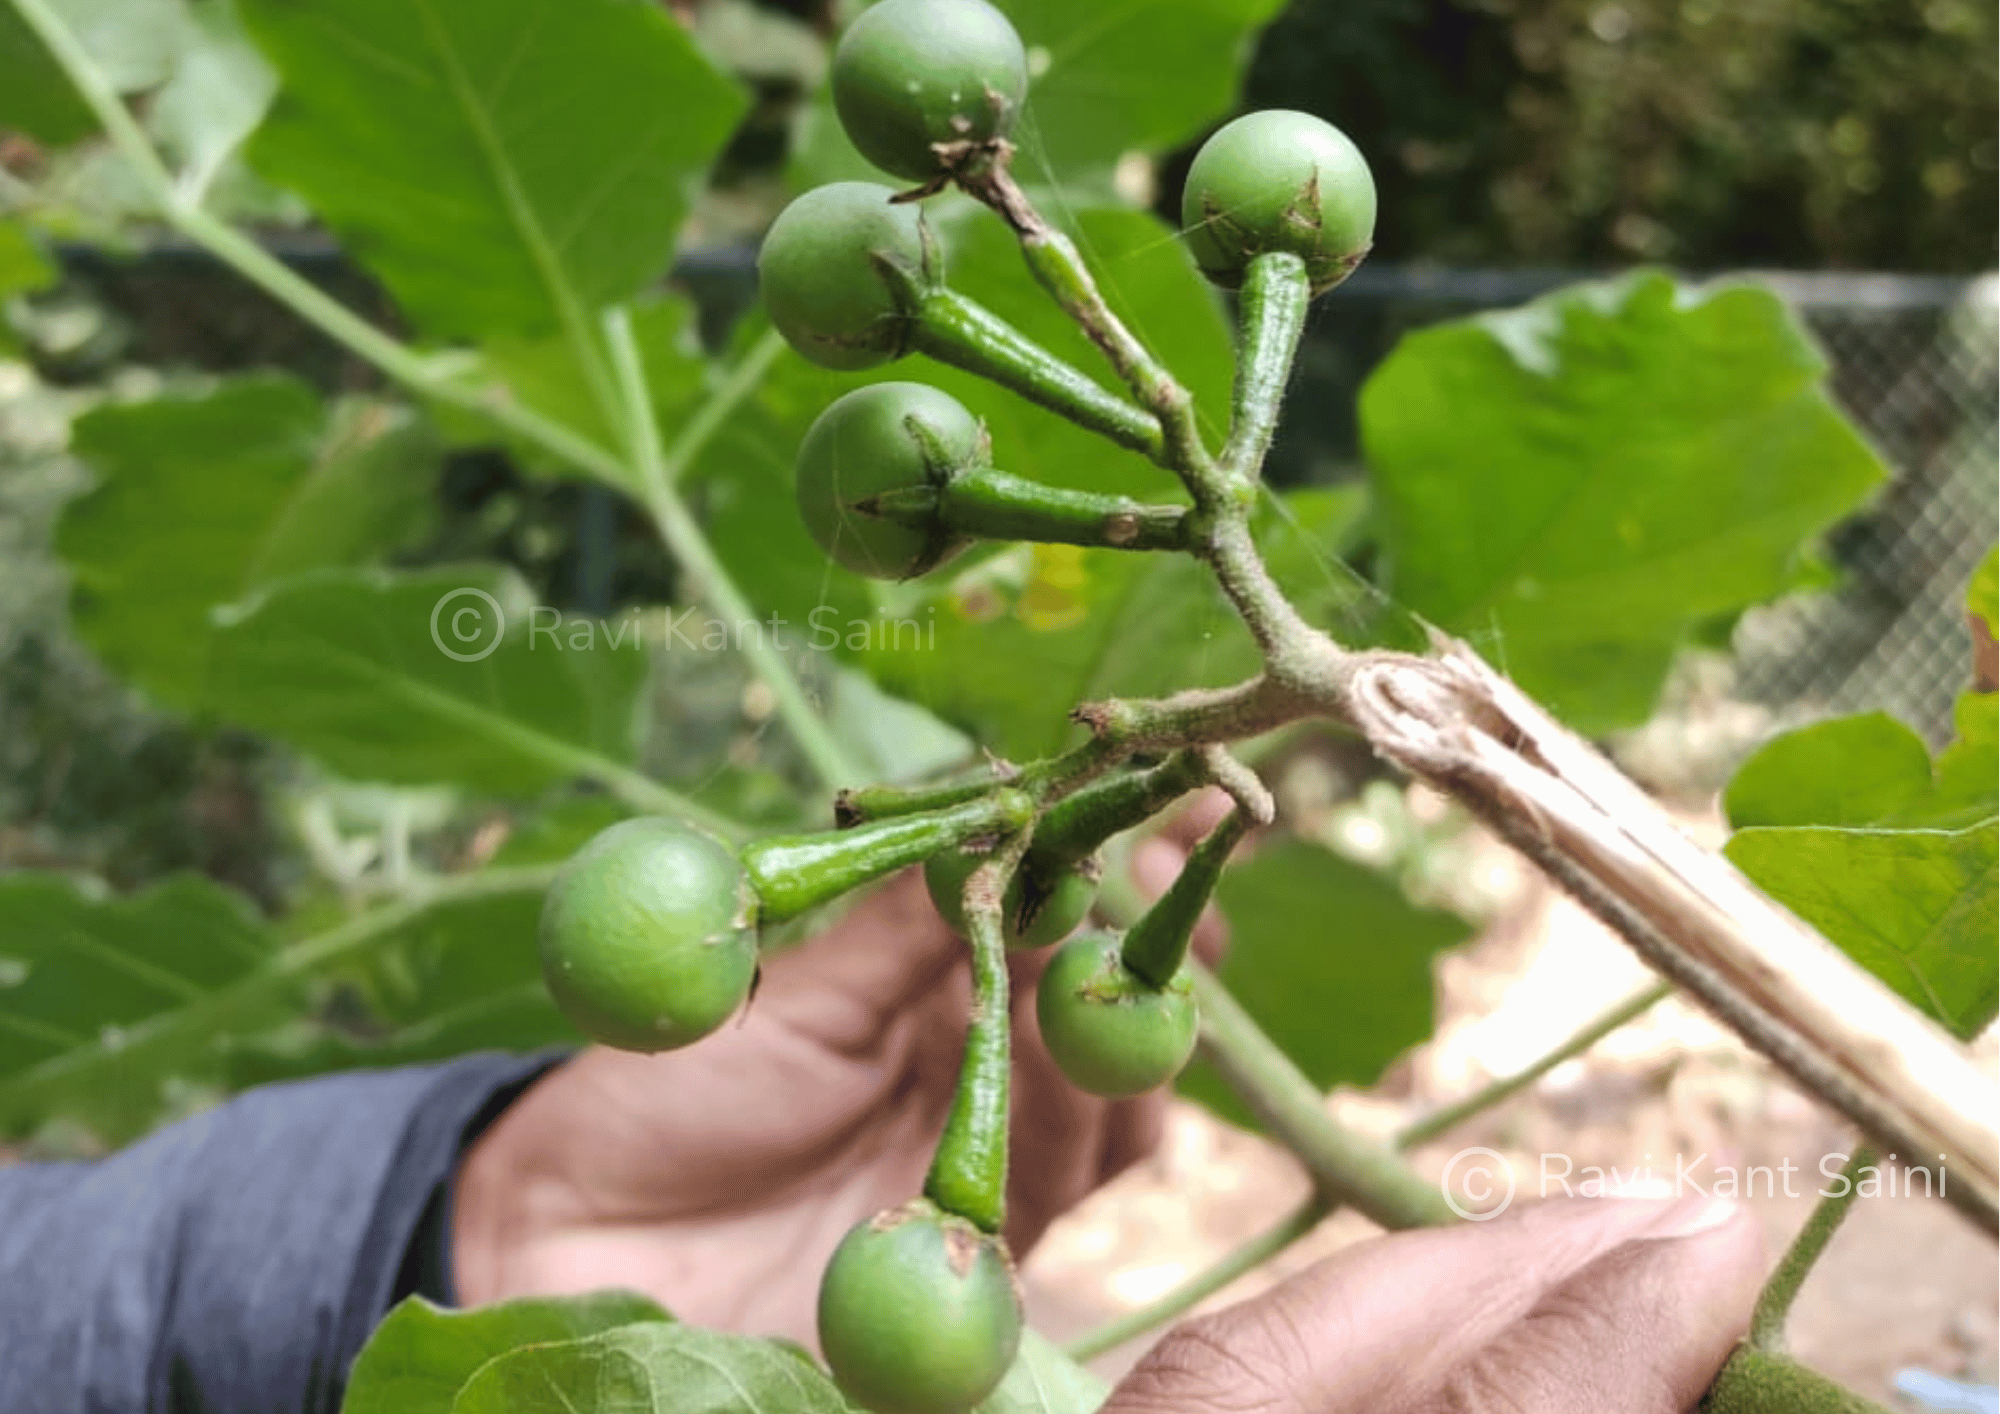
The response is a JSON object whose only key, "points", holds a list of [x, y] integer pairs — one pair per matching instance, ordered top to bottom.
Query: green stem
{"points": [[1057, 265], [1275, 295], [966, 335], [988, 504], [684, 538], [865, 803], [1077, 826], [793, 873], [1156, 945], [1504, 1088], [1345, 1167], [968, 1174], [1309, 1214], [1238, 1263], [1774, 1303]]}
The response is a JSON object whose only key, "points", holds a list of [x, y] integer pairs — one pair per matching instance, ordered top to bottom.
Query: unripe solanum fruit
{"points": [[911, 75], [1279, 181], [838, 270], [882, 438], [1034, 911], [646, 940], [1109, 1031], [919, 1312]]}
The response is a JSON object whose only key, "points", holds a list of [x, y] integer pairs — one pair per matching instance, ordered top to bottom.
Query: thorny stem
{"points": [[968, 1174], [1301, 1221]]}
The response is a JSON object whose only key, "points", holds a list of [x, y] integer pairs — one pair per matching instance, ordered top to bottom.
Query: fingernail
{"points": [[1691, 1217]]}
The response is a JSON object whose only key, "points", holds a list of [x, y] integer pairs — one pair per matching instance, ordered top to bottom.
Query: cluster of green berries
{"points": [[928, 90], [650, 932]]}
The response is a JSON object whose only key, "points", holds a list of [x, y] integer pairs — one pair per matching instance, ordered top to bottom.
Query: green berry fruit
{"points": [[912, 75], [1279, 181], [841, 270], [875, 440], [1036, 911], [646, 944], [1111, 1033], [919, 1312]]}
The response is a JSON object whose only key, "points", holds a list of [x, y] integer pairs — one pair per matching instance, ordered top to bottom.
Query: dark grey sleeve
{"points": [[236, 1262]]}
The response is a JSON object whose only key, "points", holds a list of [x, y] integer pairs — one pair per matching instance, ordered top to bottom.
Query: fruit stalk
{"points": [[1056, 264], [1276, 292], [966, 335], [995, 505], [861, 804], [1075, 827], [793, 873], [1157, 944], [968, 1174]]}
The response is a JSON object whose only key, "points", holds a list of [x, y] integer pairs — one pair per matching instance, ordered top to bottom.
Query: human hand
{"points": [[719, 1178], [1557, 1308]]}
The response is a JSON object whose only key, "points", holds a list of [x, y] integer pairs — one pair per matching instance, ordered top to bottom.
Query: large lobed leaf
{"points": [[505, 166], [1582, 481], [357, 667], [1895, 858], [1332, 960], [96, 994]]}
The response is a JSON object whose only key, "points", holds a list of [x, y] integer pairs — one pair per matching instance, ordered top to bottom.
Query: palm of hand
{"points": [[718, 1179]]}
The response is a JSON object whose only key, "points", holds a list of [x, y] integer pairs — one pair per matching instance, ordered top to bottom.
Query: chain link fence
{"points": [[1913, 362]]}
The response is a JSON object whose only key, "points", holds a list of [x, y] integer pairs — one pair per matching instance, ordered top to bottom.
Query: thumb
{"points": [[1560, 1306], [1643, 1329]]}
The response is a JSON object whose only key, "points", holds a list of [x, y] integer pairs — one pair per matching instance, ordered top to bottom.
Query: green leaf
{"points": [[1127, 77], [219, 92], [36, 98], [505, 166], [23, 267], [544, 374], [1583, 481], [185, 488], [202, 500], [1982, 595], [1028, 636], [355, 667], [1850, 771], [1848, 824], [1915, 907], [1332, 960], [90, 990], [421, 1356], [652, 1368], [1043, 1380]]}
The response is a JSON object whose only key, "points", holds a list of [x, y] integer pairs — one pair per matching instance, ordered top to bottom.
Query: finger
{"points": [[846, 984], [1381, 1325], [1643, 1329]]}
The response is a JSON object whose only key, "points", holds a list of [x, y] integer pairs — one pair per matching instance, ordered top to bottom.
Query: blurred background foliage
{"points": [[1706, 136]]}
